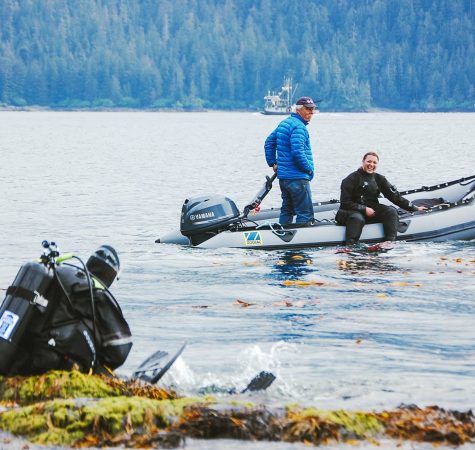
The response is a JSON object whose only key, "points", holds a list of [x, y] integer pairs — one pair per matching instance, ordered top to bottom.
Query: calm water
{"points": [[377, 331]]}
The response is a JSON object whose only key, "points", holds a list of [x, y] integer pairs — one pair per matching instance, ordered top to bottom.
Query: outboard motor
{"points": [[206, 215]]}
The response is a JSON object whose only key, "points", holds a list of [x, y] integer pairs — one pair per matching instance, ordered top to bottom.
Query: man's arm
{"points": [[270, 148], [348, 188], [392, 194]]}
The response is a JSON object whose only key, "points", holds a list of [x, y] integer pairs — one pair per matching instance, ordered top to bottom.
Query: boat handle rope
{"points": [[469, 196], [437, 207], [330, 221], [279, 231]]}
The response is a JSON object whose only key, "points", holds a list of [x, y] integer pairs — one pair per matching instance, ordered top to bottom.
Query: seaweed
{"points": [[73, 384], [74, 409]]}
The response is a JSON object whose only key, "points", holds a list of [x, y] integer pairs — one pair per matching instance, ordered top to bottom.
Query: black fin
{"points": [[151, 362], [157, 375], [260, 382]]}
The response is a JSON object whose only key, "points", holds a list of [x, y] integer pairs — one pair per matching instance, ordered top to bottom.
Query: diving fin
{"points": [[380, 246], [359, 249], [344, 250], [150, 363], [152, 368], [159, 373], [260, 382]]}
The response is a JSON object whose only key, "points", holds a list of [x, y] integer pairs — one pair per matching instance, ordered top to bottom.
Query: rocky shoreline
{"points": [[70, 409]]}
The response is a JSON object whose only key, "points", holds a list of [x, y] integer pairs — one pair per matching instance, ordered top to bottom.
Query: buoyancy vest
{"points": [[73, 333], [113, 336]]}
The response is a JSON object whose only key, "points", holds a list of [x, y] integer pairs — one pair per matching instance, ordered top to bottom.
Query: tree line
{"points": [[193, 54]]}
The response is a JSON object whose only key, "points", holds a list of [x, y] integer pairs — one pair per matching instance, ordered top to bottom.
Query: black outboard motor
{"points": [[202, 217], [26, 297]]}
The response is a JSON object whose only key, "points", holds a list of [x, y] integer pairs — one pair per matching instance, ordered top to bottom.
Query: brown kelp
{"points": [[61, 384], [73, 409]]}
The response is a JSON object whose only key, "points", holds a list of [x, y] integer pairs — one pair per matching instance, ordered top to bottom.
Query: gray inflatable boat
{"points": [[214, 221]]}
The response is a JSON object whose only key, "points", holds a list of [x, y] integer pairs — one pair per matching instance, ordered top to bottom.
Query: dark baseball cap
{"points": [[306, 101]]}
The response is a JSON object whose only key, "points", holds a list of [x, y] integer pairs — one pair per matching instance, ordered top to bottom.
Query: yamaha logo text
{"points": [[206, 215]]}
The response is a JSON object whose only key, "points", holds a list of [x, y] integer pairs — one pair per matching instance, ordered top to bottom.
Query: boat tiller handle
{"points": [[260, 195]]}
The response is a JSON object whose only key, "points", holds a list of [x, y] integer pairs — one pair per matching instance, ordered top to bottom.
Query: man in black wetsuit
{"points": [[359, 201]]}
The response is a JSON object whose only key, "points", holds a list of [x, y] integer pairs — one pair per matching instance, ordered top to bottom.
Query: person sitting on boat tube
{"points": [[288, 152], [359, 201]]}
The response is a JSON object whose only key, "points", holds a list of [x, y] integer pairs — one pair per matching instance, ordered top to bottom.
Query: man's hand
{"points": [[274, 167], [369, 212]]}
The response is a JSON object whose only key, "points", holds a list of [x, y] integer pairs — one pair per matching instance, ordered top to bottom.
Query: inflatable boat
{"points": [[214, 221]]}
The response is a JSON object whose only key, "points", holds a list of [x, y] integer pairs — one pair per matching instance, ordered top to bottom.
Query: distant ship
{"points": [[279, 103]]}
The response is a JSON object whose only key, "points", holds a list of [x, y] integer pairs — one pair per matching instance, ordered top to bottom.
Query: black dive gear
{"points": [[360, 190], [104, 264], [26, 300], [58, 316]]}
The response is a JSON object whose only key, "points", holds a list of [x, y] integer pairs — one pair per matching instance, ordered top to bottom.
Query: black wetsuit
{"points": [[360, 190]]}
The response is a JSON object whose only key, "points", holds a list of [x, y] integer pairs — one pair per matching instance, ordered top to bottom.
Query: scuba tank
{"points": [[25, 298], [57, 316]]}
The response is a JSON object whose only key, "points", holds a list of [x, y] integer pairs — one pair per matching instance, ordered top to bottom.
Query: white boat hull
{"points": [[452, 219]]}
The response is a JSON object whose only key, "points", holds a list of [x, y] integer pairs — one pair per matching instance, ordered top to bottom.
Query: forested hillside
{"points": [[354, 54]]}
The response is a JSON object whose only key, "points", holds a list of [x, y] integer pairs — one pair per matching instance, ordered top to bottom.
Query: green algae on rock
{"points": [[54, 384], [74, 384], [73, 409], [93, 422], [429, 424], [317, 425]]}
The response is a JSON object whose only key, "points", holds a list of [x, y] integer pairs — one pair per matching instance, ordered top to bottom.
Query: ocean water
{"points": [[372, 332]]}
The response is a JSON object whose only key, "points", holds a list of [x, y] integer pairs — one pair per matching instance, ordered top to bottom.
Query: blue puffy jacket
{"points": [[288, 146]]}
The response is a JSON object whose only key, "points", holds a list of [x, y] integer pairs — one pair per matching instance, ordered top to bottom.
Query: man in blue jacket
{"points": [[288, 152]]}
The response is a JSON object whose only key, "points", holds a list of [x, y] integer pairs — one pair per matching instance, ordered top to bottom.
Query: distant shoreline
{"points": [[181, 110]]}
